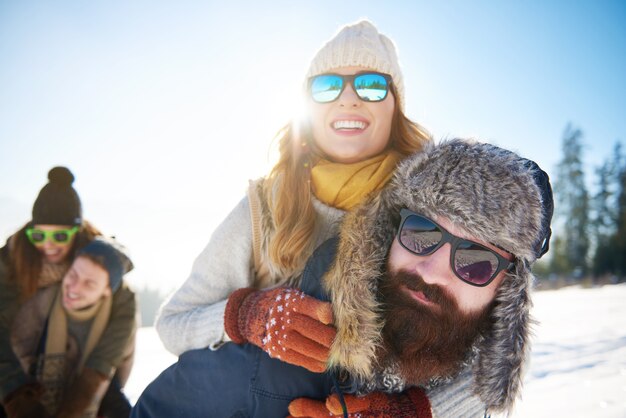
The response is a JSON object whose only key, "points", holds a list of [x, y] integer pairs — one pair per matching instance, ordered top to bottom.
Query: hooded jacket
{"points": [[497, 197]]}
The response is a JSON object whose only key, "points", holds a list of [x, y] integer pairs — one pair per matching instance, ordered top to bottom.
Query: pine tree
{"points": [[572, 204], [606, 213], [604, 220], [620, 234], [558, 260]]}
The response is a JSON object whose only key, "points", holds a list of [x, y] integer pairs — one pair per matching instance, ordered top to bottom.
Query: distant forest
{"points": [[589, 227], [149, 301]]}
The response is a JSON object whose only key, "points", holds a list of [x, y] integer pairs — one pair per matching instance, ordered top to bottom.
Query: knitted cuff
{"points": [[231, 314], [29, 391], [422, 404]]}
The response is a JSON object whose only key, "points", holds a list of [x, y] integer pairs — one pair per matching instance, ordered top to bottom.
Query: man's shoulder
{"points": [[324, 255], [317, 266], [125, 289], [124, 296]]}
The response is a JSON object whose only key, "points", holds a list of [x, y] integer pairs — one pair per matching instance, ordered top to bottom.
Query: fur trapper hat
{"points": [[495, 196]]}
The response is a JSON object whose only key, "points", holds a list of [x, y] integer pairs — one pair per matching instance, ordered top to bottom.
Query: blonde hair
{"points": [[287, 187]]}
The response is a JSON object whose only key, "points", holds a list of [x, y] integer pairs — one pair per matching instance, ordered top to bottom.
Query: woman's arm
{"points": [[193, 317], [11, 374], [453, 399]]}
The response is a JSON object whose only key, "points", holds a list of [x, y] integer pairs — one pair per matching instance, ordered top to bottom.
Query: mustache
{"points": [[416, 283]]}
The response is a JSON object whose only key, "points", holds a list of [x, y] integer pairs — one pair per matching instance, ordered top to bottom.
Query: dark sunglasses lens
{"points": [[371, 87], [326, 88], [419, 235], [37, 236], [61, 236], [474, 263]]}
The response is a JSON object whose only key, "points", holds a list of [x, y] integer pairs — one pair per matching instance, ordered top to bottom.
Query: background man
{"points": [[56, 331]]}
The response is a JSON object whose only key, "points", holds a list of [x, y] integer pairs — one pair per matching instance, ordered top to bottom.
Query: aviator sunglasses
{"points": [[369, 86], [58, 236], [470, 261]]}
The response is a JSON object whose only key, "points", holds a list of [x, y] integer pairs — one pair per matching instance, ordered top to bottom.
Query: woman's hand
{"points": [[286, 323], [24, 402], [410, 403]]}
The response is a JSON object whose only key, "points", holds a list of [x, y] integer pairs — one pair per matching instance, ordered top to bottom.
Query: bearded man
{"points": [[431, 282], [429, 287]]}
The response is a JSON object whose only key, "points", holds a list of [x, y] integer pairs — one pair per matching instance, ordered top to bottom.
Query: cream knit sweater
{"points": [[193, 317]]}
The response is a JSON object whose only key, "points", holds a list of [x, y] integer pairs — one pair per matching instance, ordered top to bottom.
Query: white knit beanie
{"points": [[360, 45]]}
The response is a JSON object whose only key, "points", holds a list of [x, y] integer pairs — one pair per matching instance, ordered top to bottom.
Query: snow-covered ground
{"points": [[578, 365]]}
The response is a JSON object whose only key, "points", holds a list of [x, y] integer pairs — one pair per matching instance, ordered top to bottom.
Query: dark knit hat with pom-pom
{"points": [[58, 203]]}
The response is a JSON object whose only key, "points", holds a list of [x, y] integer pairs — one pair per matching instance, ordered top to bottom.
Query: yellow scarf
{"points": [[343, 186]]}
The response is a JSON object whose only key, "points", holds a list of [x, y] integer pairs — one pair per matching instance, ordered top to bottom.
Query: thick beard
{"points": [[423, 342]]}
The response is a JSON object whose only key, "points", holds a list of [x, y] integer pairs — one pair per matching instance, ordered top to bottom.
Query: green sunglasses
{"points": [[58, 236]]}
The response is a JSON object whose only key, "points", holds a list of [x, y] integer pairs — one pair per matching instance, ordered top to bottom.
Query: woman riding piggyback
{"points": [[348, 145]]}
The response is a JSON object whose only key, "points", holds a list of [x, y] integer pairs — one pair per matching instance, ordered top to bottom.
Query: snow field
{"points": [[578, 361]]}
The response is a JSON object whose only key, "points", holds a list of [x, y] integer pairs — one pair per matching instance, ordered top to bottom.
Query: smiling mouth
{"points": [[349, 125], [71, 296], [420, 297]]}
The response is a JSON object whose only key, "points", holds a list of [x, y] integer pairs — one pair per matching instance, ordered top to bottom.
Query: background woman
{"points": [[35, 257]]}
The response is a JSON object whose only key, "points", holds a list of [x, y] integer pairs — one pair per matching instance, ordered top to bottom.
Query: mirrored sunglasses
{"points": [[369, 86], [58, 236], [470, 261]]}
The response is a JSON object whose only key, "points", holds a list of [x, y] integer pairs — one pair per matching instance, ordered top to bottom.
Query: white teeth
{"points": [[349, 124]]}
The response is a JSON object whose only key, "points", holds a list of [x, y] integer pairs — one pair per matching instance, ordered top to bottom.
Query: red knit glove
{"points": [[284, 322], [24, 402], [412, 402]]}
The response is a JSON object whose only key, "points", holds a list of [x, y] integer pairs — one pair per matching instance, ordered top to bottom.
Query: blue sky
{"points": [[164, 110]]}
